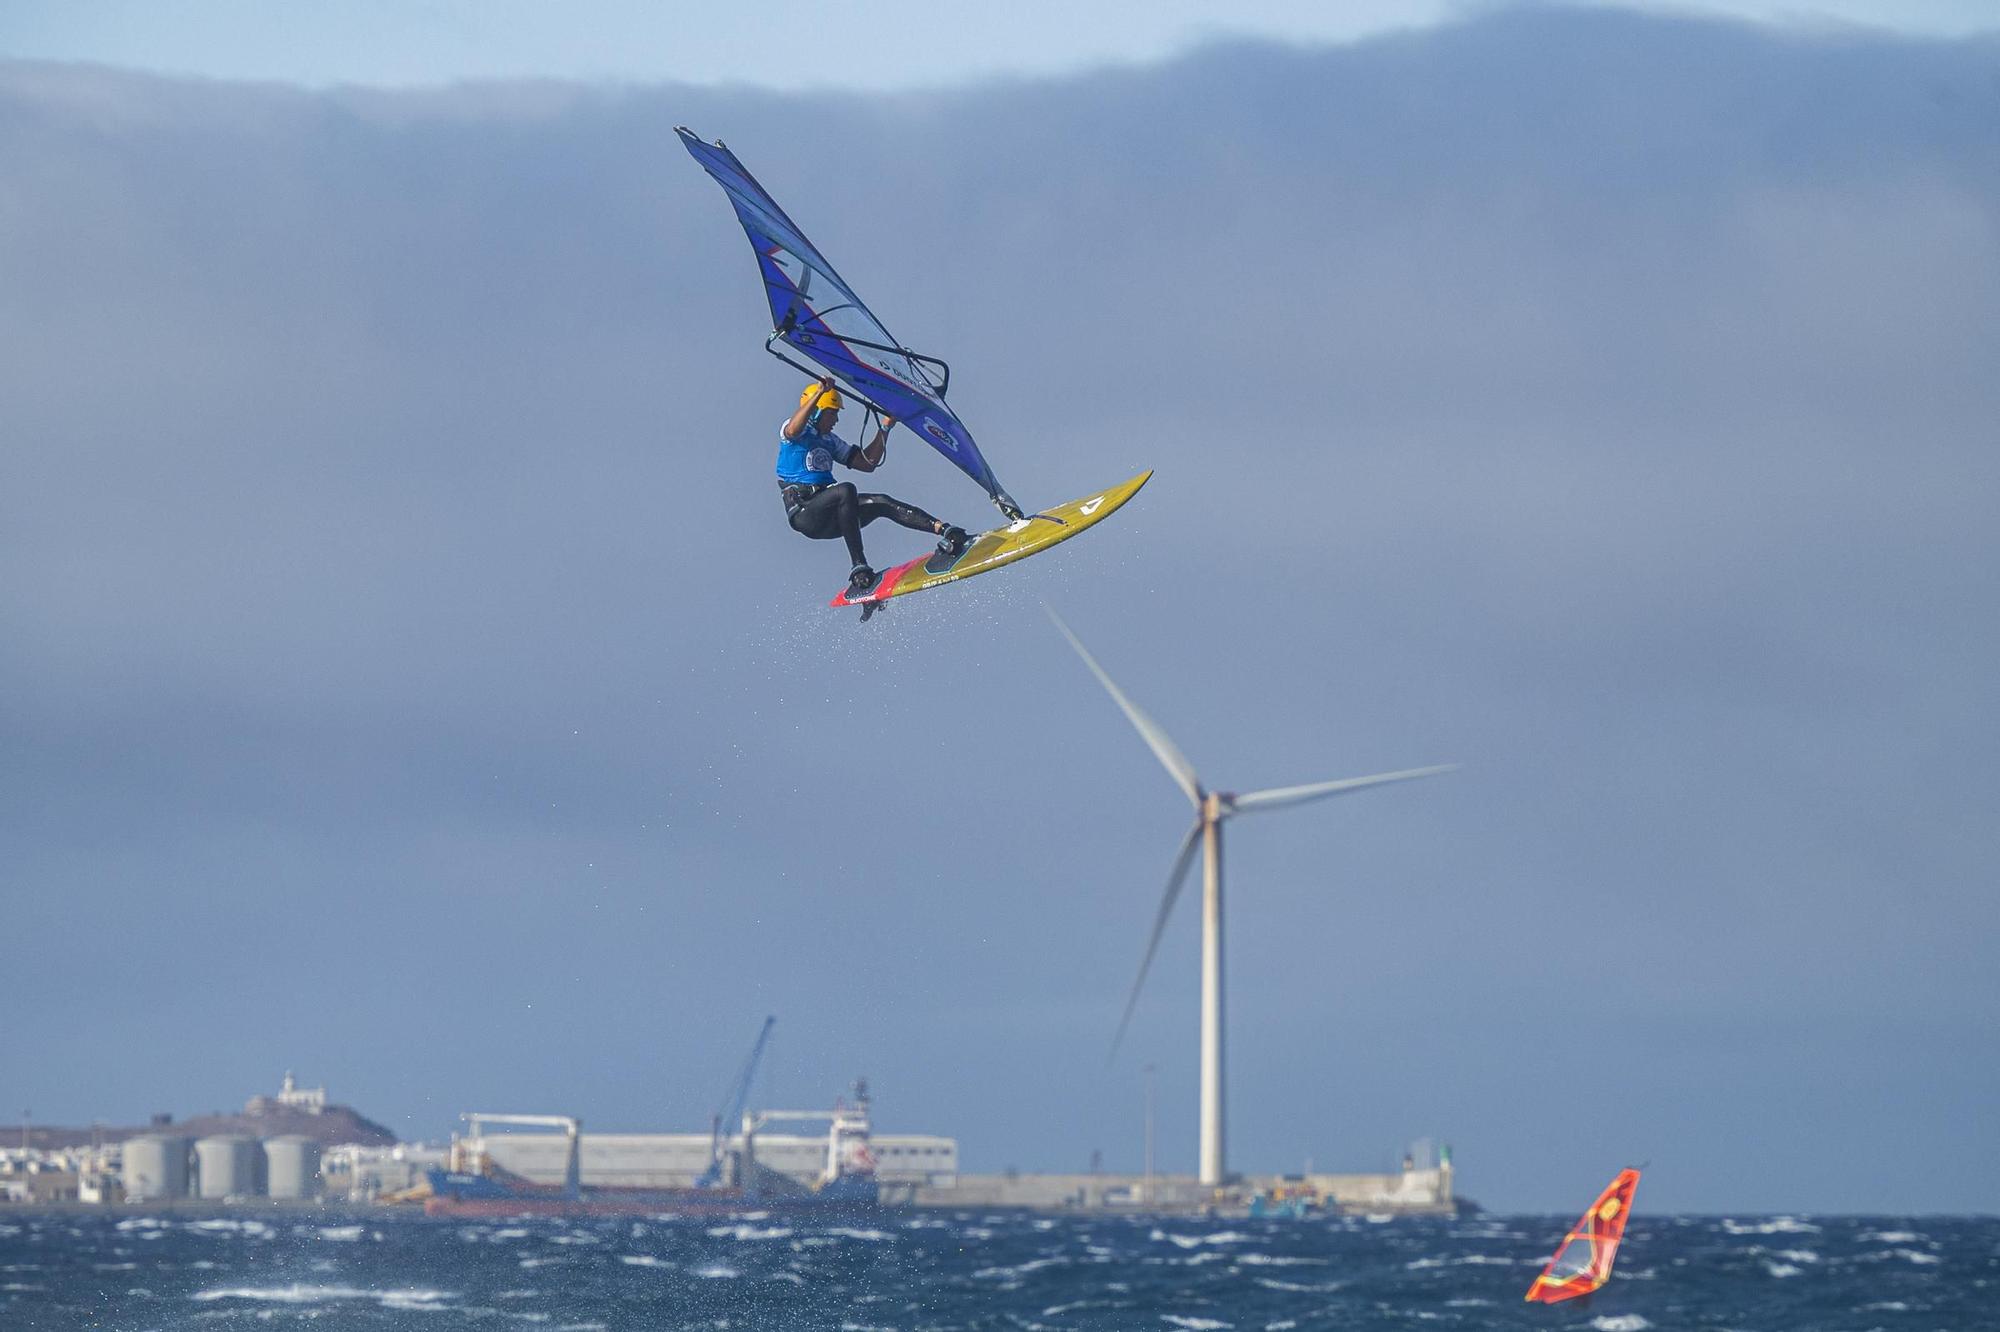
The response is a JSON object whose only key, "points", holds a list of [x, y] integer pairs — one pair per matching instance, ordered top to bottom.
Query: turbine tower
{"points": [[1211, 808]]}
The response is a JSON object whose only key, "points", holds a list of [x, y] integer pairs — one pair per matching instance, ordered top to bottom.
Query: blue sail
{"points": [[818, 315]]}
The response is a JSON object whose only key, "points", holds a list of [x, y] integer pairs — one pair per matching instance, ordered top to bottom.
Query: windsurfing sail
{"points": [[815, 313], [1582, 1264]]}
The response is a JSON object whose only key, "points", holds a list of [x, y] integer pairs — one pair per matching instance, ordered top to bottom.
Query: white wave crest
{"points": [[1777, 1225], [742, 1232], [1196, 1241], [642, 1260], [1275, 1260], [1022, 1269], [717, 1272], [300, 1293], [1619, 1323], [1195, 1324]]}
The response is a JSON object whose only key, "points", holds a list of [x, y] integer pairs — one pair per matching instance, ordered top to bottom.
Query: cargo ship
{"points": [[473, 1184]]}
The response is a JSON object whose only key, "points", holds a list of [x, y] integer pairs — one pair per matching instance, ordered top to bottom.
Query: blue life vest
{"points": [[808, 460]]}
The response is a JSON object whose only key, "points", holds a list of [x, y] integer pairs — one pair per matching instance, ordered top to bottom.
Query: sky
{"points": [[784, 44], [407, 677]]}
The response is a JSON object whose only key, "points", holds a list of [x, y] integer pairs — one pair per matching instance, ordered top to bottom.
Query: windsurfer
{"points": [[821, 508]]}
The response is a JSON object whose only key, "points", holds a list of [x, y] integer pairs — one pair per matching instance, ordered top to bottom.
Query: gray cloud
{"points": [[407, 673]]}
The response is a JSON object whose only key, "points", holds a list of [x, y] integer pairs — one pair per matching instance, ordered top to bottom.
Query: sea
{"points": [[937, 1272]]}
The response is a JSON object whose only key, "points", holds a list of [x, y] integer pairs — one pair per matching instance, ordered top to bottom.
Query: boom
{"points": [[732, 1108]]}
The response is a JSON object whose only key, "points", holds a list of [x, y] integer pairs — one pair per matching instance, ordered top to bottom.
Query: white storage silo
{"points": [[227, 1164], [155, 1166], [291, 1167]]}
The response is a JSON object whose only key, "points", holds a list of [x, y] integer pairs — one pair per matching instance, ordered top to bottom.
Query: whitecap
{"points": [[1778, 1225], [742, 1232], [340, 1233], [873, 1236], [1893, 1237], [1196, 1241], [1918, 1256], [642, 1260], [1274, 1260], [1022, 1269], [1781, 1269], [717, 1272], [1301, 1287], [300, 1293], [1887, 1306], [1619, 1323], [1195, 1324]]}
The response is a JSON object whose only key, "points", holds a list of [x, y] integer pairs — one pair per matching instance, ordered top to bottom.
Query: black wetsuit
{"points": [[838, 510]]}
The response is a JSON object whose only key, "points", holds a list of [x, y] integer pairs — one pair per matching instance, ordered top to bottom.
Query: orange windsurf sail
{"points": [[1583, 1262]]}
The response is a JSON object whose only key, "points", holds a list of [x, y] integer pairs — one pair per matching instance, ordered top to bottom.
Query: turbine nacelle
{"points": [[1210, 807]]}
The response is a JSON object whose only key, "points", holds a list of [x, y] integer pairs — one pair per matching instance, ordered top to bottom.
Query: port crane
{"points": [[732, 1108]]}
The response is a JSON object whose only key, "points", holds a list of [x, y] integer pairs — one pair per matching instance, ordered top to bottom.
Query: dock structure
{"points": [[1412, 1191]]}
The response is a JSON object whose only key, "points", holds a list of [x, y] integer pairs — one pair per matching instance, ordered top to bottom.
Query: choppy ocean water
{"points": [[939, 1271]]}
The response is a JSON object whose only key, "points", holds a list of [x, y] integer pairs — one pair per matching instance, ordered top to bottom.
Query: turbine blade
{"points": [[1149, 730], [1279, 796], [1172, 895]]}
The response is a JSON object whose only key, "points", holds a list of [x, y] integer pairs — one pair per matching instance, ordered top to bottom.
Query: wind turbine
{"points": [[1210, 809]]}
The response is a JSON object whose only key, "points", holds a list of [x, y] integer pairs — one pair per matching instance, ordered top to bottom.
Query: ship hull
{"points": [[461, 1195]]}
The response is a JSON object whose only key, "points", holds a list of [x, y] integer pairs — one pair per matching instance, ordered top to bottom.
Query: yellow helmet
{"points": [[827, 401]]}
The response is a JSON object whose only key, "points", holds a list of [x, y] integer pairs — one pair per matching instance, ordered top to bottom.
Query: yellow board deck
{"points": [[1001, 546]]}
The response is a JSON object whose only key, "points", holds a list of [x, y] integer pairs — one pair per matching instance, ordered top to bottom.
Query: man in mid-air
{"points": [[821, 508]]}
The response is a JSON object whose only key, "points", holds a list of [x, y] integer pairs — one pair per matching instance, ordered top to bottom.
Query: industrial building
{"points": [[903, 1162]]}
